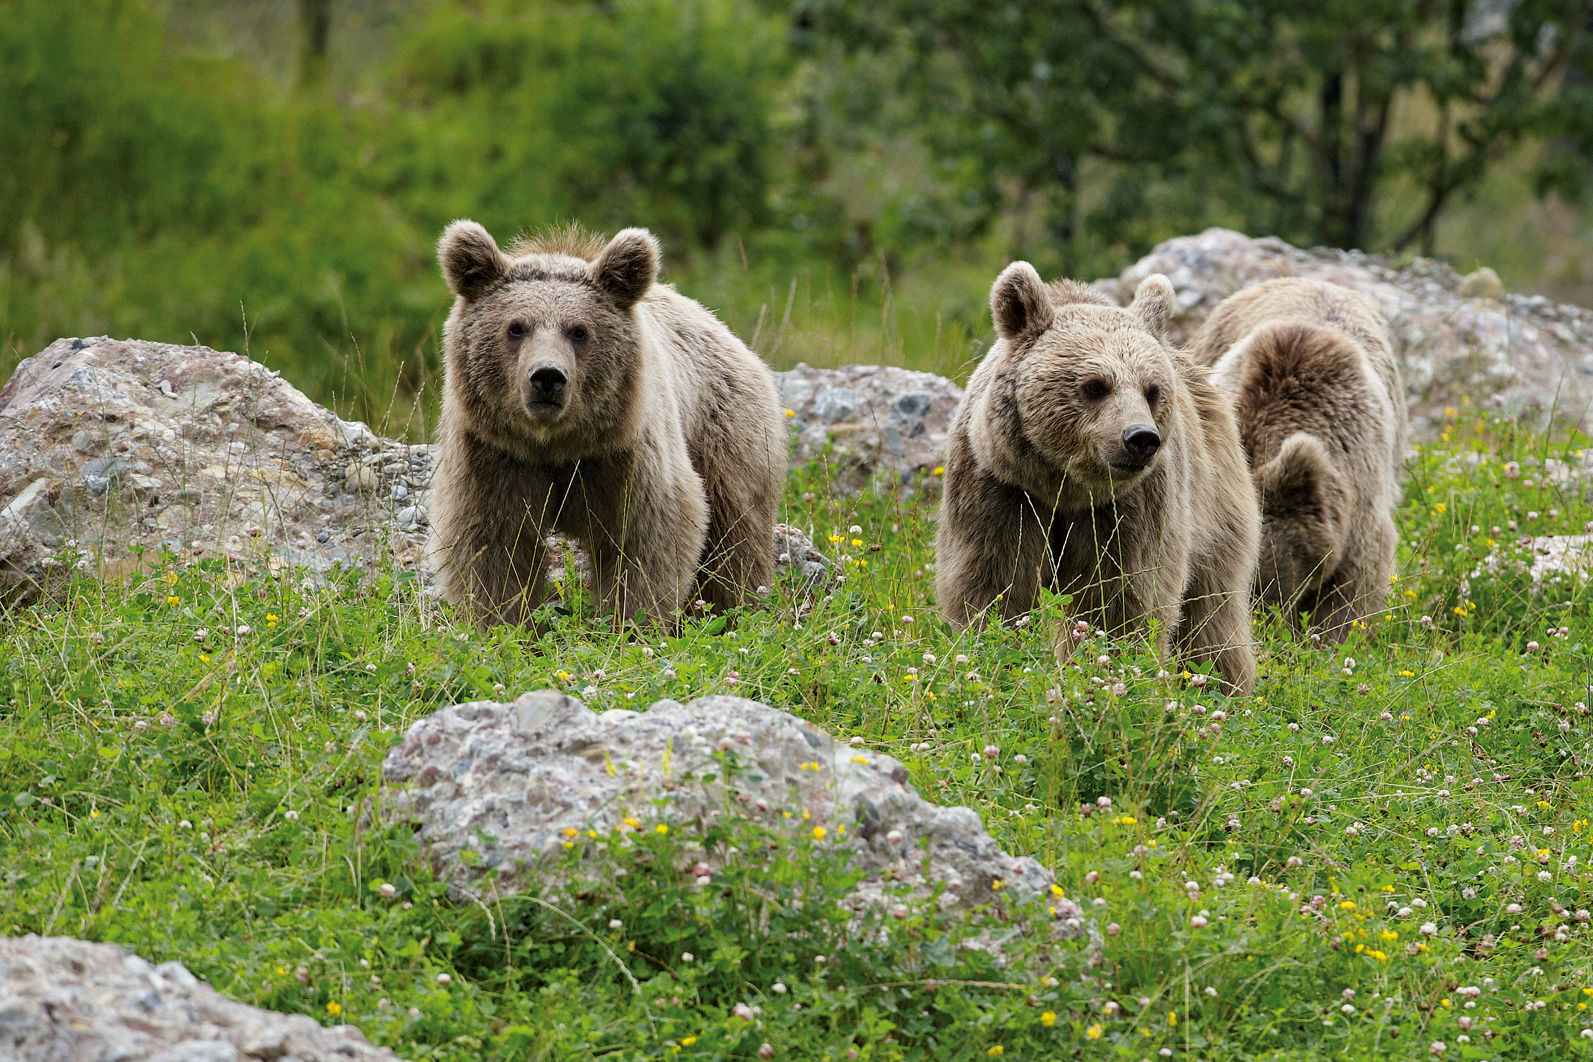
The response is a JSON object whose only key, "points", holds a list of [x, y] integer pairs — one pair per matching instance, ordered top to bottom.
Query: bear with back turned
{"points": [[585, 398], [1321, 411], [1088, 457]]}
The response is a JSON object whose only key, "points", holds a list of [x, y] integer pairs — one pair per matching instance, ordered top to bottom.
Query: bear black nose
{"points": [[547, 381], [1141, 441]]}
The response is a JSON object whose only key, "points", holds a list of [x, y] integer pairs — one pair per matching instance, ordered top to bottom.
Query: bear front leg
{"points": [[489, 517], [990, 547], [738, 556], [650, 564], [1359, 588], [1146, 599], [1215, 628]]}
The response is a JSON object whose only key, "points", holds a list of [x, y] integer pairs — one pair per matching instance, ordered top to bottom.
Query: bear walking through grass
{"points": [[583, 397], [1321, 412], [1088, 457]]}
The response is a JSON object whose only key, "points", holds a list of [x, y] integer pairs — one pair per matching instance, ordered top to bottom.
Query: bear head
{"points": [[543, 348], [1091, 384], [1305, 507]]}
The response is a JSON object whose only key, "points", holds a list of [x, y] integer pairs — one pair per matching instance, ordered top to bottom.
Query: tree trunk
{"points": [[315, 19], [1334, 224]]}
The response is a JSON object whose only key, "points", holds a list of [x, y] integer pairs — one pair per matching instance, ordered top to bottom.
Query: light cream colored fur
{"points": [[1321, 411], [663, 455], [1041, 488]]}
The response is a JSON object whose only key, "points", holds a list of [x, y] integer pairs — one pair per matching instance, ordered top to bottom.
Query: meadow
{"points": [[1382, 854]]}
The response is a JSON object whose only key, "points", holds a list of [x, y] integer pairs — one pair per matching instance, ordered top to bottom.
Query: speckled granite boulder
{"points": [[1456, 340], [877, 423], [110, 446], [505, 781], [64, 1000]]}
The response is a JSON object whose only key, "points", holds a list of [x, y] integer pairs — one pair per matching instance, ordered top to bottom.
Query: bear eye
{"points": [[516, 330], [577, 333], [1095, 390], [1153, 394]]}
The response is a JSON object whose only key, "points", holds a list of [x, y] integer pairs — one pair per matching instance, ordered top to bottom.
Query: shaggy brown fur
{"points": [[584, 398], [1322, 414], [1088, 457]]}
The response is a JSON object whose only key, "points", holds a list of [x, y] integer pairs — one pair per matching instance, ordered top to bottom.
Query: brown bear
{"points": [[583, 397], [1321, 411], [1089, 457]]}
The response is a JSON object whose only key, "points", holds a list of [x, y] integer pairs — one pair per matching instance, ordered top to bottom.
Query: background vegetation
{"points": [[839, 180]]}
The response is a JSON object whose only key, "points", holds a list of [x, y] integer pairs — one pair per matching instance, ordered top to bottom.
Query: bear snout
{"points": [[545, 385], [1140, 443]]}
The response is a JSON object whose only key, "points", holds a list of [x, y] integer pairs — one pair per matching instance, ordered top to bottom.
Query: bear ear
{"points": [[470, 259], [628, 266], [1153, 303], [1019, 304], [1301, 485]]}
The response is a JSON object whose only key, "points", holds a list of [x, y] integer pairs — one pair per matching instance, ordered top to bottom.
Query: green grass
{"points": [[193, 790]]}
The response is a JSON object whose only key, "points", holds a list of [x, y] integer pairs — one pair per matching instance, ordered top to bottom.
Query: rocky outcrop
{"points": [[1458, 339], [872, 423], [112, 448], [112, 451], [512, 783], [64, 1000]]}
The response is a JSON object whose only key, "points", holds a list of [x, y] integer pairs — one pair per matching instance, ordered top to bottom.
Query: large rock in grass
{"points": [[1458, 339], [870, 423], [114, 450], [513, 783], [64, 1000]]}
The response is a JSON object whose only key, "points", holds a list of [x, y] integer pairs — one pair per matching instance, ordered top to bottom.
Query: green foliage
{"points": [[641, 109], [1292, 120], [188, 760]]}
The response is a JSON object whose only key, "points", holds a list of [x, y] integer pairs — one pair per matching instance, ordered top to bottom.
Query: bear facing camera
{"points": [[584, 397], [1088, 457]]}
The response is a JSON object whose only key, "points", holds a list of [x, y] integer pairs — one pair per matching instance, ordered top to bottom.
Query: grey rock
{"points": [[1453, 347], [871, 423], [225, 448], [100, 473], [794, 552], [1561, 562], [504, 781], [64, 1000]]}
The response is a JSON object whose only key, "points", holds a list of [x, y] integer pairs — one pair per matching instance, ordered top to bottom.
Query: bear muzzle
{"points": [[545, 390], [1140, 443]]}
